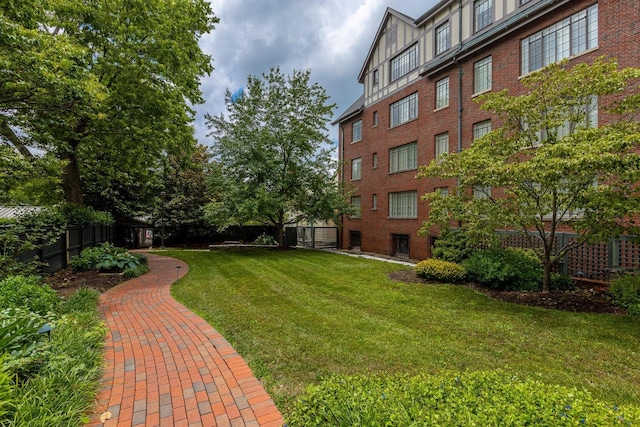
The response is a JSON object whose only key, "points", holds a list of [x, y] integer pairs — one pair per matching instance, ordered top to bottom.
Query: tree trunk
{"points": [[10, 135], [71, 181], [281, 235], [546, 276]]}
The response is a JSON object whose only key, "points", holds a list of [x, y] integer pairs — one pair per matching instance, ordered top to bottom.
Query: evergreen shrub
{"points": [[505, 269], [441, 271], [625, 292]]}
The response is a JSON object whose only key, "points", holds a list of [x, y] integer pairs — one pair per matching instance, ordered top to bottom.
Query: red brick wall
{"points": [[619, 37]]}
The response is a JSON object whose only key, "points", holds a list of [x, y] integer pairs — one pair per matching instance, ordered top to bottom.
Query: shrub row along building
{"points": [[420, 78]]}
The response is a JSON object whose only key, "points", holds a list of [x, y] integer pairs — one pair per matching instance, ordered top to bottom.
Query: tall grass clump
{"points": [[54, 378]]}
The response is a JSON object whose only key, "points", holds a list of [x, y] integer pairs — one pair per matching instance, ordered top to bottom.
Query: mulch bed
{"points": [[65, 282], [582, 299]]}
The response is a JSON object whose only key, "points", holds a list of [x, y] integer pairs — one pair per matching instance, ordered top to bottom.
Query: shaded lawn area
{"points": [[297, 316]]}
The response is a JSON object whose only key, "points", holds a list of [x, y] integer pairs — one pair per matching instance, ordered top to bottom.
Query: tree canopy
{"points": [[105, 86], [272, 160], [550, 165]]}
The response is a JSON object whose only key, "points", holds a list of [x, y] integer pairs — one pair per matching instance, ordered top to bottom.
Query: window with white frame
{"points": [[482, 14], [570, 36], [443, 38], [404, 63], [482, 75], [376, 77], [442, 93], [404, 110], [375, 118], [480, 129], [356, 131], [441, 144], [404, 157], [374, 160], [356, 169], [482, 192], [356, 202], [374, 202], [403, 204]]}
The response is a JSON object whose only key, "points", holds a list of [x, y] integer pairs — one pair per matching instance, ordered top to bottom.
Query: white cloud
{"points": [[331, 38]]}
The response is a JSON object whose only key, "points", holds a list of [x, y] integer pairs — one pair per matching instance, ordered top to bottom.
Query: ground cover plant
{"points": [[109, 258], [300, 316], [47, 379], [476, 398]]}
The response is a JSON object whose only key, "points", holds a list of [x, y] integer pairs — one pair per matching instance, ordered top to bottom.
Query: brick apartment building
{"points": [[420, 77]]}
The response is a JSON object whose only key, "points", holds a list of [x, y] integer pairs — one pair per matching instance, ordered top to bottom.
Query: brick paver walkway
{"points": [[165, 366]]}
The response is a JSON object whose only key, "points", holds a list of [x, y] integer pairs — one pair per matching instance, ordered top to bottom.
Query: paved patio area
{"points": [[165, 366]]}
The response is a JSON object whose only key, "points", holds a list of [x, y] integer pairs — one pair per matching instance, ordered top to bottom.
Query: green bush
{"points": [[80, 215], [26, 233], [266, 239], [453, 245], [90, 257], [107, 257], [505, 269], [441, 271], [130, 273], [561, 282], [625, 292], [28, 293], [82, 301], [20, 341], [471, 399]]}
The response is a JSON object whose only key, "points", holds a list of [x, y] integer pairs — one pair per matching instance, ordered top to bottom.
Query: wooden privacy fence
{"points": [[70, 243], [597, 262]]}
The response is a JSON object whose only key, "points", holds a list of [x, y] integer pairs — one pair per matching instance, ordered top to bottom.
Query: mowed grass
{"points": [[299, 315]]}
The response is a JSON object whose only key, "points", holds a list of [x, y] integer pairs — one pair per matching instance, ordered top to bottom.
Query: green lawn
{"points": [[297, 316]]}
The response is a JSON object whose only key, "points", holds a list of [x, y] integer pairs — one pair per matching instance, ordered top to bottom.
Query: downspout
{"points": [[460, 73], [341, 160]]}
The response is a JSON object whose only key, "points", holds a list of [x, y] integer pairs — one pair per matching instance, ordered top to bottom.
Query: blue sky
{"points": [[330, 37]]}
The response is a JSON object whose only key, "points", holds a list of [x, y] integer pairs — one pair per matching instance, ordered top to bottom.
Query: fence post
{"points": [[313, 236], [563, 241], [66, 244], [613, 253]]}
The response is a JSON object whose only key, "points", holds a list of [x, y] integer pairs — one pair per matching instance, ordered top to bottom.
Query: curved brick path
{"points": [[165, 366]]}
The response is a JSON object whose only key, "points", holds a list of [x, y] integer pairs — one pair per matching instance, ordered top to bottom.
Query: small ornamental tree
{"points": [[272, 158], [550, 165]]}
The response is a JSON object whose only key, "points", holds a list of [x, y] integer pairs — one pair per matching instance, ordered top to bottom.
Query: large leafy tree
{"points": [[106, 86], [272, 158], [550, 166], [185, 187]]}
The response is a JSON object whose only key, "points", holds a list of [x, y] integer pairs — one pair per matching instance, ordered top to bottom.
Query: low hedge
{"points": [[441, 271], [471, 399]]}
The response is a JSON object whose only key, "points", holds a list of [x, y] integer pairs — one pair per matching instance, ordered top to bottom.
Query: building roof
{"points": [[431, 12], [480, 41], [354, 109], [11, 212]]}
